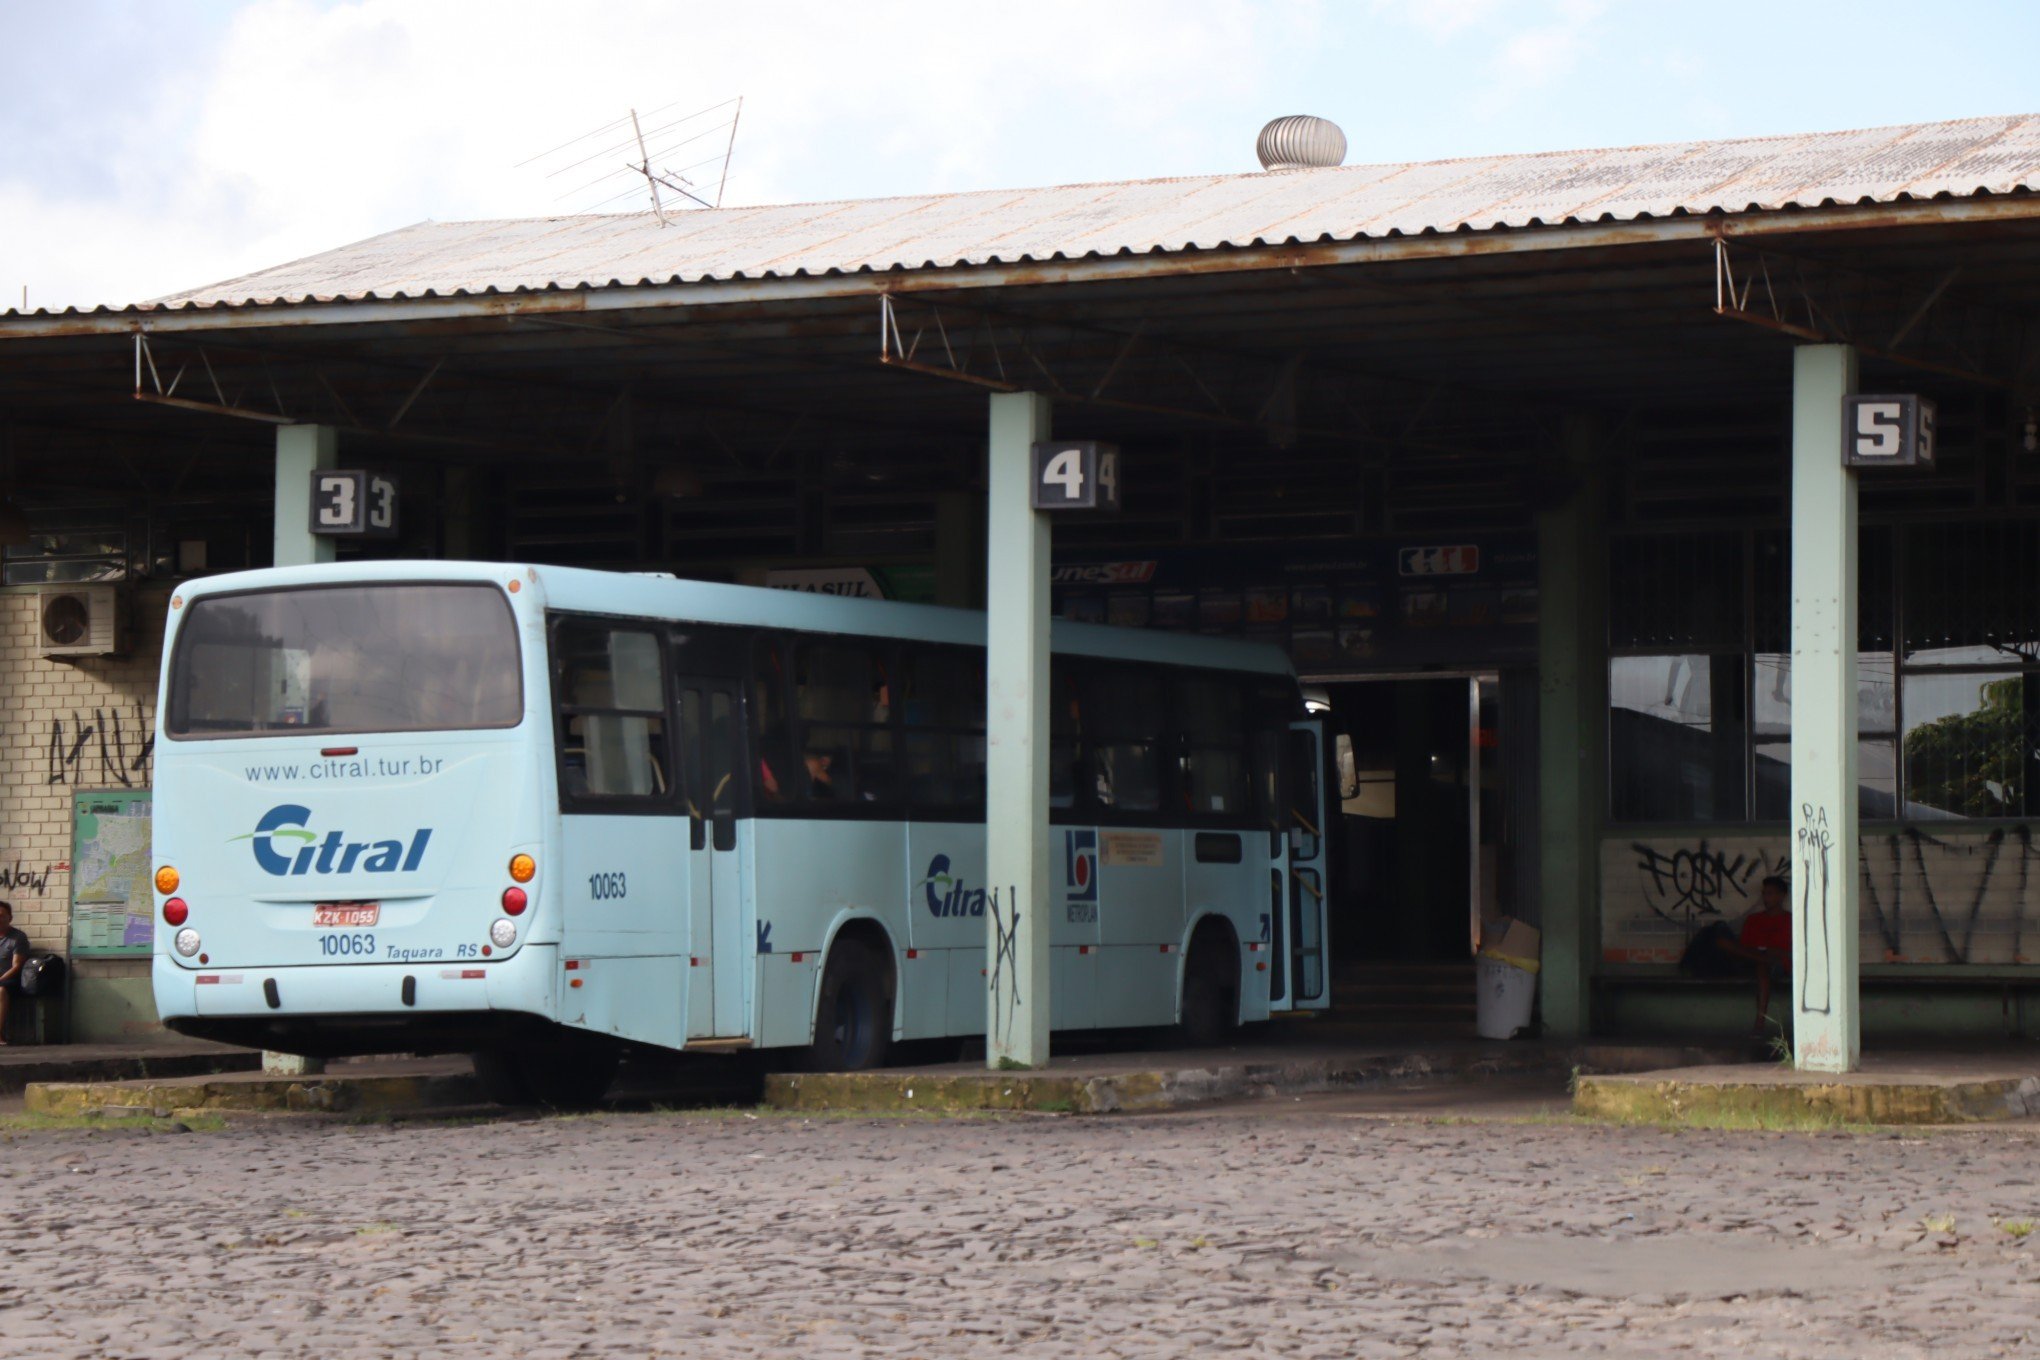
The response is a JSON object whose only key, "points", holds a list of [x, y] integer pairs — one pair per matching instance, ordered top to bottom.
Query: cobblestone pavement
{"points": [[1298, 1229]]}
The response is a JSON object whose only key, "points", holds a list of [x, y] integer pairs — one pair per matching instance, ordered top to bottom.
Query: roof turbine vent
{"points": [[1301, 142]]}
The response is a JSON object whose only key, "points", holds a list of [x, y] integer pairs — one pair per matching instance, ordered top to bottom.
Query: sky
{"points": [[148, 147]]}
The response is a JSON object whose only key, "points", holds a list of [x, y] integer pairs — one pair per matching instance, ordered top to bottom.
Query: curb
{"points": [[19, 1076], [1163, 1088], [281, 1095], [1669, 1099]]}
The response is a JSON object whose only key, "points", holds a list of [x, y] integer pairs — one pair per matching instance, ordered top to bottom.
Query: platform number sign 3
{"points": [[1887, 431], [1076, 475], [354, 504]]}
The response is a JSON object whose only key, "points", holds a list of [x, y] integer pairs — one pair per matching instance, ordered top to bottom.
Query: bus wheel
{"points": [[1211, 1009], [853, 1024], [559, 1077]]}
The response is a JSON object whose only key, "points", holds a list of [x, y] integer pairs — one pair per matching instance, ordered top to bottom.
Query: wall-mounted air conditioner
{"points": [[79, 621]]}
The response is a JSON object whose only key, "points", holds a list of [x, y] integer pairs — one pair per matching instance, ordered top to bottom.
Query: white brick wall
{"points": [[45, 708]]}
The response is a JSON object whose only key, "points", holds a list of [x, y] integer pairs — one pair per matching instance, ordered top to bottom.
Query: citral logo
{"points": [[331, 854], [947, 895]]}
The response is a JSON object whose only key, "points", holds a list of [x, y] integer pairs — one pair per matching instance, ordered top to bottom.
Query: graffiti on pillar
{"points": [[101, 749], [1005, 956], [1816, 964]]}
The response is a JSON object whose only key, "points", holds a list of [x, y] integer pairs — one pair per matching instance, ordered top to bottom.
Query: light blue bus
{"points": [[539, 814]]}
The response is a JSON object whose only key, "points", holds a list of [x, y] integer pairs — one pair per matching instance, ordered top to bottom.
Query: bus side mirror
{"points": [[1348, 767]]}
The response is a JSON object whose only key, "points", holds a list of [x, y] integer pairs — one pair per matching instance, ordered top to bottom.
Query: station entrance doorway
{"points": [[1426, 843]]}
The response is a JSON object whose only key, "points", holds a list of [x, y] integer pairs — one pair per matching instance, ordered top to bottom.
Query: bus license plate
{"points": [[346, 913]]}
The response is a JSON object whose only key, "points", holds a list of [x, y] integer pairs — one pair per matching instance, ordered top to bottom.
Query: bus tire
{"points": [[1210, 1013], [853, 1020], [558, 1077]]}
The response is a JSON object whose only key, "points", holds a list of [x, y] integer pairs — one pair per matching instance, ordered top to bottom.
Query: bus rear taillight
{"points": [[523, 868], [167, 880], [514, 901], [176, 912]]}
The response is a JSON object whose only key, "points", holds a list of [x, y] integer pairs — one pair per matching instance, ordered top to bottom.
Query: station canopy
{"points": [[1432, 322]]}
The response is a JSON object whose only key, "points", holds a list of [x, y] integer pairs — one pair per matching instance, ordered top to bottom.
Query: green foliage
{"points": [[1953, 762]]}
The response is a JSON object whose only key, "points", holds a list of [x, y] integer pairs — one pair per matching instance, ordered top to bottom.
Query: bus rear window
{"points": [[353, 658]]}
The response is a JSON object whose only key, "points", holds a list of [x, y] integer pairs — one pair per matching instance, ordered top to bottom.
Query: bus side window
{"points": [[843, 697], [612, 702], [942, 705], [1123, 713], [1269, 718], [1211, 727], [1065, 735], [776, 780]]}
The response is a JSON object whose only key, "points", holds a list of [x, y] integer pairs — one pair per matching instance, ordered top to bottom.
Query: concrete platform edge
{"points": [[17, 1076], [1165, 1087], [365, 1094], [1653, 1099]]}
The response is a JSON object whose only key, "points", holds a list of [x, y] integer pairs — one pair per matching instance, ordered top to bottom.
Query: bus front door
{"points": [[711, 737], [1299, 978]]}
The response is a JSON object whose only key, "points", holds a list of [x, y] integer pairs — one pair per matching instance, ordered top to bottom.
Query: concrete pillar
{"points": [[301, 450], [1572, 728], [1016, 739], [1827, 1036]]}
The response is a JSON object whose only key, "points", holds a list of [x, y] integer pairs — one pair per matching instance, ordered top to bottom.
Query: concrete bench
{"points": [[1905, 994]]}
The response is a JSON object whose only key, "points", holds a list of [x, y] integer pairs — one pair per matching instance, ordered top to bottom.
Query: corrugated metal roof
{"points": [[1964, 158]]}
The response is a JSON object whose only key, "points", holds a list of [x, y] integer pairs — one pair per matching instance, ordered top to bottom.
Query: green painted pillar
{"points": [[301, 450], [1572, 728], [1016, 738], [1827, 1035]]}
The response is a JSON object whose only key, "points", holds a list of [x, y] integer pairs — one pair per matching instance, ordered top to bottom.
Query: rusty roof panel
{"points": [[1961, 159]]}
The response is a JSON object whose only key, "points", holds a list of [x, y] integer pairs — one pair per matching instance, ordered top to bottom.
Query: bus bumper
{"points": [[337, 1009]]}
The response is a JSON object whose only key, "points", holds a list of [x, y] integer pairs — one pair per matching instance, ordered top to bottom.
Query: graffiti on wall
{"points": [[102, 749], [18, 876], [1690, 885], [1940, 895]]}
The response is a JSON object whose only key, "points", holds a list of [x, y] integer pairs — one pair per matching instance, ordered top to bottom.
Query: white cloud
{"points": [[320, 124]]}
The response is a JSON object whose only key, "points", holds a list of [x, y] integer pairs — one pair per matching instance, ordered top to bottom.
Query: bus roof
{"points": [[645, 595]]}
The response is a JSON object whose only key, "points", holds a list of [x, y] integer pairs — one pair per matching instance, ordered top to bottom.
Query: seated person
{"points": [[819, 782], [1764, 944], [13, 957]]}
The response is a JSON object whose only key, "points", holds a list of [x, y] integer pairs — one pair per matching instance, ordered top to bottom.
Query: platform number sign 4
{"points": [[1887, 431], [1076, 474], [354, 504]]}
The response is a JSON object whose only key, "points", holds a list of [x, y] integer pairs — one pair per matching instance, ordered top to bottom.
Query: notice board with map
{"points": [[113, 910]]}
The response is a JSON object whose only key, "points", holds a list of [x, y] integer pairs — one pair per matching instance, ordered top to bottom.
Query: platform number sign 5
{"points": [[1887, 431], [1076, 474], [354, 504]]}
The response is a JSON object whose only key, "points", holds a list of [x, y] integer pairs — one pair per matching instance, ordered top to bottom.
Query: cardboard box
{"points": [[1513, 942]]}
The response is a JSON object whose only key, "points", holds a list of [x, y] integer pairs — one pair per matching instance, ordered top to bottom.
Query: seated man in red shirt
{"points": [[1765, 943]]}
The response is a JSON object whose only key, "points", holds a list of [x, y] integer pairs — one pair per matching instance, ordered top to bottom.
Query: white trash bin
{"points": [[1506, 995]]}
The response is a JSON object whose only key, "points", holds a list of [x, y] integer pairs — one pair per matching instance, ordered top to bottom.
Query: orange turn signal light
{"points": [[523, 868], [167, 880]]}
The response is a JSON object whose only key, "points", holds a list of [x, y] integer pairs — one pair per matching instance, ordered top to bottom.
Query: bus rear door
{"points": [[711, 739]]}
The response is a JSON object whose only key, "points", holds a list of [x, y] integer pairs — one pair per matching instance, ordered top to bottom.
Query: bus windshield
{"points": [[346, 658]]}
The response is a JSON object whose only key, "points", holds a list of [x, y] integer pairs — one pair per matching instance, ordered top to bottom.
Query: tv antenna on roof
{"points": [[639, 153]]}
